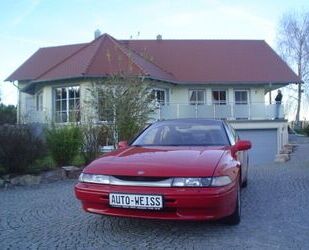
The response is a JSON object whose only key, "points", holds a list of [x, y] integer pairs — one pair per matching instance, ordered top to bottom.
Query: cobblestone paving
{"points": [[275, 208]]}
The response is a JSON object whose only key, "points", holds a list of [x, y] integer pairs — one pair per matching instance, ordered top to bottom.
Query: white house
{"points": [[222, 79]]}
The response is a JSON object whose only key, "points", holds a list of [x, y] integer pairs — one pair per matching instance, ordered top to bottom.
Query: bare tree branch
{"points": [[293, 45]]}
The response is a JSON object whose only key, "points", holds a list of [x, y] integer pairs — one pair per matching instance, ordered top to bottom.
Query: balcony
{"points": [[252, 111]]}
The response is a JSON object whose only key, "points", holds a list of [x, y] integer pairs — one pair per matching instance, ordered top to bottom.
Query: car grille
{"points": [[140, 178]]}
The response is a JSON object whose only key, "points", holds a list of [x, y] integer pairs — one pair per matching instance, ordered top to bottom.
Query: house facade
{"points": [[221, 79]]}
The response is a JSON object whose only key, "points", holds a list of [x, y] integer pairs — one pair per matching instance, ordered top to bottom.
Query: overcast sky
{"points": [[27, 25]]}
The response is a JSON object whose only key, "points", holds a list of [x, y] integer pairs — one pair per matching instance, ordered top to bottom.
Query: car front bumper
{"points": [[179, 203]]}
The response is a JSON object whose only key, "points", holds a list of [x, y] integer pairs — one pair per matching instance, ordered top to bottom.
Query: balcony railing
{"points": [[252, 111]]}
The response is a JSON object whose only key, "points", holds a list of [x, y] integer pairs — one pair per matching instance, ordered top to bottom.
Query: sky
{"points": [[27, 25]]}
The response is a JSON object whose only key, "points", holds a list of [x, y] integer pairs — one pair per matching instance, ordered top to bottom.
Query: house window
{"points": [[158, 95], [197, 97], [219, 97], [241, 97], [39, 101], [67, 104]]}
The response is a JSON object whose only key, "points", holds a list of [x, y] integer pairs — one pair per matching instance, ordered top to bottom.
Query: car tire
{"points": [[245, 183], [234, 218]]}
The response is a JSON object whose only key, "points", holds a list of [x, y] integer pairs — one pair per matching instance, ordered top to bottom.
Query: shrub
{"points": [[123, 101], [8, 114], [306, 130], [94, 136], [64, 143], [19, 148], [78, 160], [42, 164], [2, 170]]}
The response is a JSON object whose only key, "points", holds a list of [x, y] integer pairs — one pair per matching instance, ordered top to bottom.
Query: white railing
{"points": [[252, 111], [34, 116]]}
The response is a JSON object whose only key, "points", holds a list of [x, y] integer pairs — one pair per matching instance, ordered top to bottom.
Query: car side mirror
{"points": [[122, 144], [240, 145], [243, 145]]}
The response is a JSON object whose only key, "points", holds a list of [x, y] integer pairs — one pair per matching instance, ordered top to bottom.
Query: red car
{"points": [[186, 169]]}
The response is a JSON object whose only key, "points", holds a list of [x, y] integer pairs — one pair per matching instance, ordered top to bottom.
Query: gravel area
{"points": [[275, 215]]}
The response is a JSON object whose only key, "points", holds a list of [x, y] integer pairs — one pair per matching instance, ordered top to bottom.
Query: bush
{"points": [[8, 114], [306, 130], [94, 136], [64, 143], [19, 149], [42, 164]]}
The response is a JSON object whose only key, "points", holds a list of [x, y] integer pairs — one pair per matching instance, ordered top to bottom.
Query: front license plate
{"points": [[139, 201]]}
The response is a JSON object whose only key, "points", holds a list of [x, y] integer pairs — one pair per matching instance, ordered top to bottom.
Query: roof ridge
{"points": [[95, 53], [129, 57], [144, 58], [65, 59], [155, 64], [158, 66]]}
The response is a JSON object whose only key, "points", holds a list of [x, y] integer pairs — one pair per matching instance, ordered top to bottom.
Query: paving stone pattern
{"points": [[275, 215]]}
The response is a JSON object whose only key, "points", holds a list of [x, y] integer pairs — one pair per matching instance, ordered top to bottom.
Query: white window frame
{"points": [[156, 95], [39, 101], [197, 102], [219, 102], [241, 102], [67, 109]]}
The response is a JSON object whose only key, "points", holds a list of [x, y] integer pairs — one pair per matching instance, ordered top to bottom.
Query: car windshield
{"points": [[183, 134]]}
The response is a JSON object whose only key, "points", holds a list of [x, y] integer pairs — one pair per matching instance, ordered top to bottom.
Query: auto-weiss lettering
{"points": [[113, 199], [122, 199], [141, 200], [152, 201], [158, 201], [147, 203]]}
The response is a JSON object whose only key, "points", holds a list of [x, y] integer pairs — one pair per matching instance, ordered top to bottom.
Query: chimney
{"points": [[97, 33], [159, 37]]}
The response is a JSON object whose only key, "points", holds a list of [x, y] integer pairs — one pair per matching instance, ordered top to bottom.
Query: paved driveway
{"points": [[275, 216]]}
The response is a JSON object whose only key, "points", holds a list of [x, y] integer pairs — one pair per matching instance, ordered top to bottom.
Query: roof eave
{"points": [[226, 82]]}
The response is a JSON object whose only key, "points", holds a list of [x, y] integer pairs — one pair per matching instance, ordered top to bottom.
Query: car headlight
{"points": [[94, 178], [217, 181], [220, 181], [191, 182]]}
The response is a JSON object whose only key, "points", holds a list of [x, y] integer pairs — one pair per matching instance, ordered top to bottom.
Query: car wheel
{"points": [[245, 183], [234, 218]]}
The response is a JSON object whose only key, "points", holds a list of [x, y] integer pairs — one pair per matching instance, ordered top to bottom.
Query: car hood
{"points": [[158, 162]]}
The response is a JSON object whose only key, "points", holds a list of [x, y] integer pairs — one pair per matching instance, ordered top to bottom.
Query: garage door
{"points": [[264, 144]]}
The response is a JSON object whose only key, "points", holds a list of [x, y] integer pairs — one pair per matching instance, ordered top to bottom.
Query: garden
{"points": [[32, 153]]}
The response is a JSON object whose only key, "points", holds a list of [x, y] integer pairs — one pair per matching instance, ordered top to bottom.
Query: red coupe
{"points": [[186, 169]]}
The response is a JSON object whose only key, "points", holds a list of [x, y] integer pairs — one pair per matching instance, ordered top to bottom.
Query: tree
{"points": [[293, 43], [124, 102]]}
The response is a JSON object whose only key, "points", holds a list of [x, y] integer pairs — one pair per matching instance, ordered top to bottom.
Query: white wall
{"points": [[180, 93]]}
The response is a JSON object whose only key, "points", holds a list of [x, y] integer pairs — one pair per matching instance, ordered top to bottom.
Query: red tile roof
{"points": [[178, 61]]}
